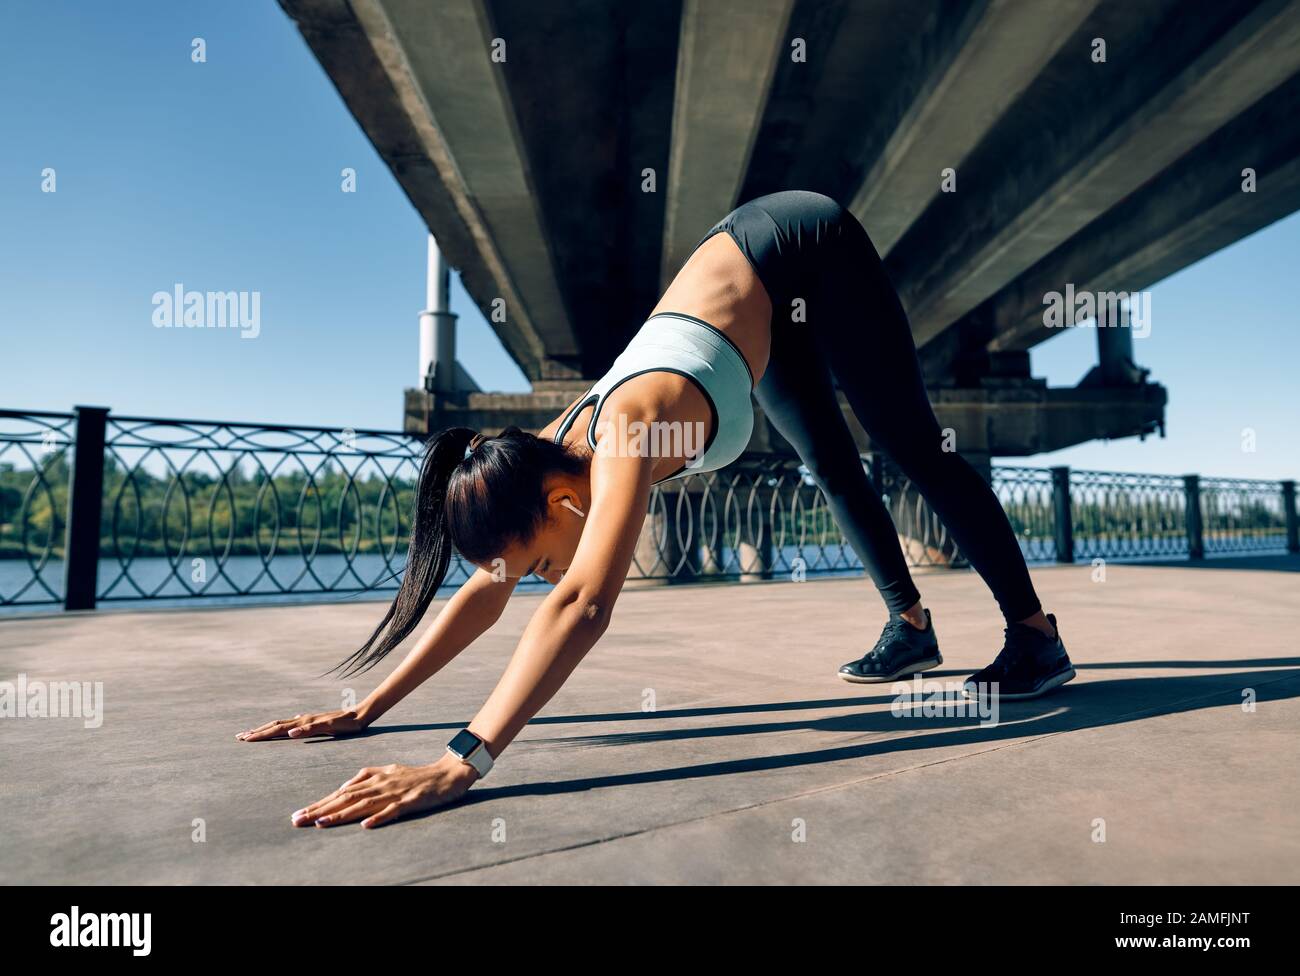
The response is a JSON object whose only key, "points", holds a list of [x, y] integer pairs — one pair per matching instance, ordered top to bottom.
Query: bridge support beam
{"points": [[992, 57], [725, 62], [1090, 157], [1243, 178]]}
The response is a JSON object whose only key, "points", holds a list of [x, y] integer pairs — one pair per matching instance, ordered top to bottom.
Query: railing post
{"points": [[85, 506], [1063, 515], [1292, 522], [1195, 528], [755, 552]]}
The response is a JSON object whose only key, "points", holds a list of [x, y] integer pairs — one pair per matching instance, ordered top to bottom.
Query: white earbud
{"points": [[572, 508]]}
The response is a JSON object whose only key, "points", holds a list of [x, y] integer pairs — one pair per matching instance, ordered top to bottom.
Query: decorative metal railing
{"points": [[34, 465], [1029, 497], [97, 508], [222, 509], [1118, 515], [1239, 515]]}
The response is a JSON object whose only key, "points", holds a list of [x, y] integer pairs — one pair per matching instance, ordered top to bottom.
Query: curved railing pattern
{"points": [[34, 464], [197, 509], [299, 510], [1118, 515], [1242, 516]]}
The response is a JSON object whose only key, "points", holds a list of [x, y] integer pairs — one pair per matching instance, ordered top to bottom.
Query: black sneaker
{"points": [[901, 650], [1030, 664]]}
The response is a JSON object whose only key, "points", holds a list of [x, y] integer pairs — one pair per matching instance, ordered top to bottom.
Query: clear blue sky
{"points": [[226, 176]]}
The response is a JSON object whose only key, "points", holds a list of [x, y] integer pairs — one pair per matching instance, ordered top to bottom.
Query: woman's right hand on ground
{"points": [[342, 722]]}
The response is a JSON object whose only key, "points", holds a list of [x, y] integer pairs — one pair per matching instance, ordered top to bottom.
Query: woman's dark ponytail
{"points": [[477, 505], [429, 554]]}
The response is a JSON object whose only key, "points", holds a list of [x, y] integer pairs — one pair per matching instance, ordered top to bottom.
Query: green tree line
{"points": [[327, 513]]}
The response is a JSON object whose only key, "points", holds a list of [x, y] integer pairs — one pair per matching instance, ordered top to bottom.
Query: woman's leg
{"points": [[857, 321], [798, 397]]}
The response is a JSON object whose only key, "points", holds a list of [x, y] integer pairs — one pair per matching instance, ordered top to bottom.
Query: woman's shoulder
{"points": [[550, 430]]}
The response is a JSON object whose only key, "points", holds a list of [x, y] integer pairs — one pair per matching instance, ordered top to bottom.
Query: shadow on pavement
{"points": [[1093, 704], [801, 706]]}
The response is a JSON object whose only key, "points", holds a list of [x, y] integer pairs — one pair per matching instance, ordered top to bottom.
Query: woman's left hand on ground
{"points": [[379, 794]]}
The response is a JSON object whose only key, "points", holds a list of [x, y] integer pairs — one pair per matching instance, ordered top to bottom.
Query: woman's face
{"points": [[550, 552]]}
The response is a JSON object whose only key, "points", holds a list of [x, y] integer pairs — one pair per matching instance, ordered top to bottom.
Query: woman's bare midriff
{"points": [[717, 284]]}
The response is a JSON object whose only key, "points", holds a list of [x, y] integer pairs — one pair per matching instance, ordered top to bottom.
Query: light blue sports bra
{"points": [[671, 342]]}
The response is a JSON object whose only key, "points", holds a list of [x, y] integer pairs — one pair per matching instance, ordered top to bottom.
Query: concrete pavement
{"points": [[755, 764]]}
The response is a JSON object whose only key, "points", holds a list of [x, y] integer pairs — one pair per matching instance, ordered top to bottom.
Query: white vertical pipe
{"points": [[438, 290], [437, 323], [427, 347]]}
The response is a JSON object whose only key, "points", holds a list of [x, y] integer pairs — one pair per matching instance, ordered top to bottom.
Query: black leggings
{"points": [[835, 311]]}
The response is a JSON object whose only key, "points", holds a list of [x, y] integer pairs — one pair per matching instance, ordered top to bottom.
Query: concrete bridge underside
{"points": [[524, 134]]}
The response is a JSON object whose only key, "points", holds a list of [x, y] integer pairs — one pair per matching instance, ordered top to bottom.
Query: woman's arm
{"points": [[470, 612], [575, 614], [570, 620]]}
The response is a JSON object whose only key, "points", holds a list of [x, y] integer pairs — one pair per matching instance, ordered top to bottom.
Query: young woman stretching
{"points": [[568, 503]]}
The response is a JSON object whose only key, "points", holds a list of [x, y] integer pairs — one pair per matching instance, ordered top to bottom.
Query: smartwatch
{"points": [[472, 751]]}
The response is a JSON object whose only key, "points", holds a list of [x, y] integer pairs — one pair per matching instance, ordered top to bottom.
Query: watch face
{"points": [[464, 743]]}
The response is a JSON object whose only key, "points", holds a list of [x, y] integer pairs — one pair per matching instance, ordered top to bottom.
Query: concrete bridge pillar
{"points": [[710, 524], [754, 551]]}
